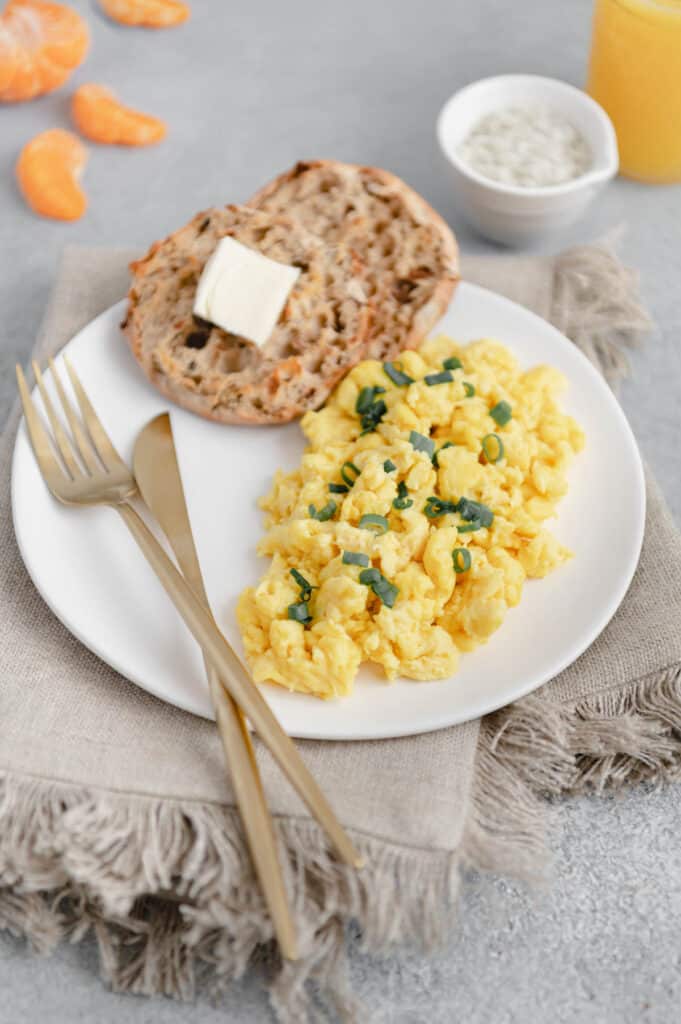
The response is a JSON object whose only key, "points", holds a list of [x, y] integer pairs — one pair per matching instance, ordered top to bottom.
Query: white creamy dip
{"points": [[530, 147]]}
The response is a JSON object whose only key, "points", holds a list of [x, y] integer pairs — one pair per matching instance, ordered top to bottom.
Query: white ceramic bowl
{"points": [[508, 213]]}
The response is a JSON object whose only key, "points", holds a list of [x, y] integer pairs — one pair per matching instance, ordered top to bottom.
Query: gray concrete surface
{"points": [[246, 90]]}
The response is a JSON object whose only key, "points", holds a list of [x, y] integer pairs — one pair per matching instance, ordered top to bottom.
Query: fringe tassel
{"points": [[596, 303], [629, 736], [169, 894]]}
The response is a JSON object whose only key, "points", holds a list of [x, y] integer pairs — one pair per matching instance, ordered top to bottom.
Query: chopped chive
{"points": [[453, 363], [397, 375], [444, 377], [469, 389], [366, 398], [370, 410], [501, 413], [373, 416], [422, 444], [447, 444], [493, 447], [389, 466], [345, 473], [338, 488], [402, 500], [436, 507], [474, 510], [470, 511], [325, 513], [374, 523], [470, 527], [461, 557], [355, 558], [305, 587], [383, 589], [387, 592], [299, 612]]}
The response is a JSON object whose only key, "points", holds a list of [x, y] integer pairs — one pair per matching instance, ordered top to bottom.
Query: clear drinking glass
{"points": [[635, 74]]}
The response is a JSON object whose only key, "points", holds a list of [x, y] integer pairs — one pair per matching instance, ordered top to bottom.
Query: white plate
{"points": [[91, 574]]}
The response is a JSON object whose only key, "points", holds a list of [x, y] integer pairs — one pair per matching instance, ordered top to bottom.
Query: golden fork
{"points": [[104, 479]]}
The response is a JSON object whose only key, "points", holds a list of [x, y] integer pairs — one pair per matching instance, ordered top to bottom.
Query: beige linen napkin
{"points": [[116, 813]]}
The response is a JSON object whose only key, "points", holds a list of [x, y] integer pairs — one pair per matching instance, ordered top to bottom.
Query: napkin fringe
{"points": [[596, 302], [627, 736], [169, 893]]}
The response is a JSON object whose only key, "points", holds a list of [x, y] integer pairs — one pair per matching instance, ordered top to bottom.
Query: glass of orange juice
{"points": [[635, 74]]}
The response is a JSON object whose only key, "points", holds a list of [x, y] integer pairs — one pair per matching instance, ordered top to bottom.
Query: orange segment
{"points": [[149, 13], [40, 45], [9, 57], [99, 116], [47, 172]]}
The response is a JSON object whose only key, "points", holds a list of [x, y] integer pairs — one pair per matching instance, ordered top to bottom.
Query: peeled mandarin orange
{"points": [[148, 13], [40, 45], [9, 57], [99, 116], [48, 170]]}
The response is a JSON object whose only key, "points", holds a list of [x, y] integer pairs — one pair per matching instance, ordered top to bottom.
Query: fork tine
{"points": [[100, 438], [40, 440], [63, 443], [83, 444]]}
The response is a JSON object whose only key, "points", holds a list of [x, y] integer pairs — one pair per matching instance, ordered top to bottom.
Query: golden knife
{"points": [[160, 484]]}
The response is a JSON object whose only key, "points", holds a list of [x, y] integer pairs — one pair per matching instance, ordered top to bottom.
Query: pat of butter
{"points": [[243, 291]]}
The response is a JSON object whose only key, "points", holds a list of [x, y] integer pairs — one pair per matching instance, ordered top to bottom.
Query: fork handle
{"points": [[235, 678]]}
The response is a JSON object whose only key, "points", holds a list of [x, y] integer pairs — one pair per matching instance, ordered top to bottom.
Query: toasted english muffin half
{"points": [[409, 253], [378, 269], [319, 335]]}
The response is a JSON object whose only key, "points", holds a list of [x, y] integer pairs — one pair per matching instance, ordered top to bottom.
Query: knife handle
{"points": [[240, 685], [256, 818]]}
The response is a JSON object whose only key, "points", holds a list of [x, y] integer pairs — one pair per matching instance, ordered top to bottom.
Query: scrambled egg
{"points": [[457, 474]]}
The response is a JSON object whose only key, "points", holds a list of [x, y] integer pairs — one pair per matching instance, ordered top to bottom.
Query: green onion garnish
{"points": [[453, 363], [397, 375], [444, 377], [469, 389], [366, 398], [371, 412], [501, 413], [373, 416], [421, 443], [447, 444], [493, 447], [389, 466], [349, 473], [338, 488], [402, 500], [436, 507], [474, 510], [470, 511], [325, 513], [377, 524], [470, 527], [355, 558], [461, 558], [305, 587], [382, 588], [300, 612]]}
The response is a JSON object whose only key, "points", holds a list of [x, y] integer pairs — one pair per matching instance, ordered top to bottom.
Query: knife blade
{"points": [[160, 483]]}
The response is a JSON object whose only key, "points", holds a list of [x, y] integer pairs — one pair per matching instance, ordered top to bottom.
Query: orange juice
{"points": [[635, 74]]}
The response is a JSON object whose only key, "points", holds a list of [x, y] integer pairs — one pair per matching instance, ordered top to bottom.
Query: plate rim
{"points": [[436, 720]]}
